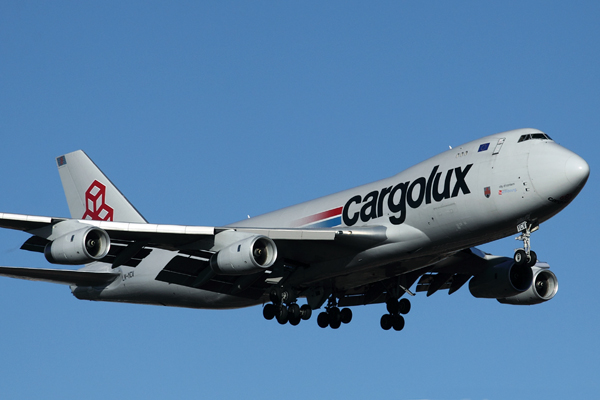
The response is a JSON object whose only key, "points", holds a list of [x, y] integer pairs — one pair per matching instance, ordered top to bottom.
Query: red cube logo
{"points": [[95, 203]]}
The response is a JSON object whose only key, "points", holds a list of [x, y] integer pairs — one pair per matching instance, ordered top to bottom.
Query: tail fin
{"points": [[90, 194]]}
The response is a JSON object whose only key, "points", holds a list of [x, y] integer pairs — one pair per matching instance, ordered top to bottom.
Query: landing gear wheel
{"points": [[525, 256], [520, 257], [532, 259], [392, 306], [404, 306], [395, 308], [269, 311], [294, 312], [305, 312], [282, 315], [346, 315], [332, 316], [335, 317], [323, 320], [294, 321], [386, 322], [397, 322], [335, 324]]}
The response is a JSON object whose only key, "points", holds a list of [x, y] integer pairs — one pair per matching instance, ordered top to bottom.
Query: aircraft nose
{"points": [[577, 170], [557, 174]]}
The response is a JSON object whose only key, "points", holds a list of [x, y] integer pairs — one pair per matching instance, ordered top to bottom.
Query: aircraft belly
{"points": [[403, 242], [139, 285], [165, 294]]}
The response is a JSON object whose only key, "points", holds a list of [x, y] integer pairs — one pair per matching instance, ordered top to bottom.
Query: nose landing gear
{"points": [[526, 256]]}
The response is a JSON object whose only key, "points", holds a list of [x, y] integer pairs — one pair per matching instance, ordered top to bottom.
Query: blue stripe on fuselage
{"points": [[328, 223]]}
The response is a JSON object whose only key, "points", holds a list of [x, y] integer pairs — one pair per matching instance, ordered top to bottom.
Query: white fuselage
{"points": [[466, 196]]}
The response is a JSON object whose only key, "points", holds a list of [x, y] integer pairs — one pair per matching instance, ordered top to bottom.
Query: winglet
{"points": [[90, 194]]}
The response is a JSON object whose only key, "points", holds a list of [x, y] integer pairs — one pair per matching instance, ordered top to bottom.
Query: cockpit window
{"points": [[534, 136]]}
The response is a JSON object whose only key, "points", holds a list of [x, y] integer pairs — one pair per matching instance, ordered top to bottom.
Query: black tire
{"points": [[520, 257], [532, 259], [392, 306], [404, 306], [269, 311], [294, 311], [305, 312], [282, 315], [346, 315], [335, 317], [323, 320], [295, 321], [386, 322], [398, 322], [335, 324]]}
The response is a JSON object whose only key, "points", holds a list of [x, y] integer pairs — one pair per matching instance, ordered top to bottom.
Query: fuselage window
{"points": [[523, 138]]}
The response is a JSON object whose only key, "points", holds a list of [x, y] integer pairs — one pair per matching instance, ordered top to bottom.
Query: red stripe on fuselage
{"points": [[318, 217]]}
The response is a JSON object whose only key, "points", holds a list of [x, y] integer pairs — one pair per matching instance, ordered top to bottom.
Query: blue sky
{"points": [[203, 113]]}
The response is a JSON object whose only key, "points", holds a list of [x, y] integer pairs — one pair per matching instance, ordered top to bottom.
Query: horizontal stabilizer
{"points": [[65, 277]]}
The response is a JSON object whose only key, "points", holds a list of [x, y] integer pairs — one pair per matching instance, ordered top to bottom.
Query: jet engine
{"points": [[78, 247], [248, 256], [501, 281], [544, 287]]}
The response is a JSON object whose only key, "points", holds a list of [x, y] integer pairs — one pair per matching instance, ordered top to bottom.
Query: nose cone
{"points": [[577, 170], [557, 174]]}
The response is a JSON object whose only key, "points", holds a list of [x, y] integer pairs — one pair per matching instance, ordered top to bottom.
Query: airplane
{"points": [[366, 245]]}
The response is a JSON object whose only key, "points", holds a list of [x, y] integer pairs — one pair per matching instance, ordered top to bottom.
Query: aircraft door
{"points": [[498, 146]]}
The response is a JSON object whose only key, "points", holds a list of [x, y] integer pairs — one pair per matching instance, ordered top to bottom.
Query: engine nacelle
{"points": [[78, 247], [248, 256], [501, 281], [544, 287]]}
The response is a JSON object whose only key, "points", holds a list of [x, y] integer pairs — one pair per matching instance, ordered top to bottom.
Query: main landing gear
{"points": [[526, 256], [285, 309], [333, 316], [394, 319]]}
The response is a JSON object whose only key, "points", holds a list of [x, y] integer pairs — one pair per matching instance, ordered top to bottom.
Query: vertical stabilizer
{"points": [[90, 194]]}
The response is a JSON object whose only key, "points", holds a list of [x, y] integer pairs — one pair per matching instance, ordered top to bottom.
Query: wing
{"points": [[164, 236], [179, 237], [130, 243], [310, 260], [453, 272], [433, 273], [66, 277]]}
